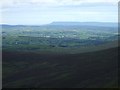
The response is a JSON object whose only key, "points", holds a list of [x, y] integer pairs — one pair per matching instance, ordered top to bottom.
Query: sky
{"points": [[38, 12]]}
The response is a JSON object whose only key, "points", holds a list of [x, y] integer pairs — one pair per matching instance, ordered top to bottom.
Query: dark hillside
{"points": [[97, 69]]}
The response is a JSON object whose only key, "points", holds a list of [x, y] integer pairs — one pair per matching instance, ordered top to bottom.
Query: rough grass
{"points": [[86, 70]]}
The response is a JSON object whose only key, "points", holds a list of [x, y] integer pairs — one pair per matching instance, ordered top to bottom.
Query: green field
{"points": [[56, 38]]}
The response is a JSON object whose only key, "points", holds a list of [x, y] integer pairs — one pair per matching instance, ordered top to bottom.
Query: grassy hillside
{"points": [[86, 70]]}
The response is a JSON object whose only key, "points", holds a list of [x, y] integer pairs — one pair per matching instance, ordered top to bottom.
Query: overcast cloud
{"points": [[12, 3], [46, 11]]}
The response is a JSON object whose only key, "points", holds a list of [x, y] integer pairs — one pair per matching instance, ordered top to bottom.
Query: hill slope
{"points": [[96, 69]]}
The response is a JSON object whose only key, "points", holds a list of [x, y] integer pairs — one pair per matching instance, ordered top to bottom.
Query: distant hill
{"points": [[101, 24], [108, 24], [9, 26]]}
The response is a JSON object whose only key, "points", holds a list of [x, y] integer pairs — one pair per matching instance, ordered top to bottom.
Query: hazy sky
{"points": [[46, 11]]}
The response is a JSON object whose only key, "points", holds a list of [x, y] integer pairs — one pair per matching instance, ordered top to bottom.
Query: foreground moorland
{"points": [[31, 70]]}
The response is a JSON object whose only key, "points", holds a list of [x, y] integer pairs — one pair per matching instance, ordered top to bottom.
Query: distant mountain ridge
{"points": [[101, 24], [109, 24]]}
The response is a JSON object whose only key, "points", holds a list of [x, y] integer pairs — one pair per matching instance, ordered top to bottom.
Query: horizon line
{"points": [[59, 22]]}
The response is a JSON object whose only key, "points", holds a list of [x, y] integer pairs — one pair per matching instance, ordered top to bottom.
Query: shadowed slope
{"points": [[95, 69]]}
